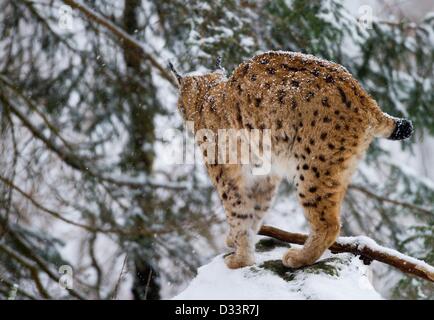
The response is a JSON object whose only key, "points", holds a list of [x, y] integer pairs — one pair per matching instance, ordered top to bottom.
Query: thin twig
{"points": [[392, 201], [49, 211], [148, 282], [115, 293]]}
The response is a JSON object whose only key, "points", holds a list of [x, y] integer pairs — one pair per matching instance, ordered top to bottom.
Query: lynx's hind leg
{"points": [[246, 199], [321, 201]]}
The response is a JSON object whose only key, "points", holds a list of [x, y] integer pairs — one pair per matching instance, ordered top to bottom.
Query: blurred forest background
{"points": [[83, 179]]}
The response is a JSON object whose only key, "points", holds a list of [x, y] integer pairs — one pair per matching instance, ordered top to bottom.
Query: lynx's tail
{"points": [[394, 128], [403, 130]]}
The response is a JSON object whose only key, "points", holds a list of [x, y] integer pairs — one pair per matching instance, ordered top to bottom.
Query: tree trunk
{"points": [[145, 285]]}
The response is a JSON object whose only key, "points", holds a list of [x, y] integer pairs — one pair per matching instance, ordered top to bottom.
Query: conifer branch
{"points": [[122, 36]]}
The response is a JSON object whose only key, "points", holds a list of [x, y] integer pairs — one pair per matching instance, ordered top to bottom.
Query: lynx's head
{"points": [[193, 89]]}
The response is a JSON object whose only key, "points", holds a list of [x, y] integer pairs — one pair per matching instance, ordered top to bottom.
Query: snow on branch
{"points": [[367, 248]]}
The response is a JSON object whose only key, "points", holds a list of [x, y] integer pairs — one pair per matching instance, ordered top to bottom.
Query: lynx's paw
{"points": [[293, 258], [234, 261]]}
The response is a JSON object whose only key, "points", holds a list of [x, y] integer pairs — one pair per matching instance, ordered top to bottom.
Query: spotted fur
{"points": [[321, 121]]}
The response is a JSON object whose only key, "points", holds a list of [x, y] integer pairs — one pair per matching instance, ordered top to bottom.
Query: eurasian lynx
{"points": [[321, 122]]}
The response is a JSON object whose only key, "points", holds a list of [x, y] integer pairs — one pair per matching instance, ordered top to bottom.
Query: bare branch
{"points": [[32, 106], [75, 161], [395, 202], [49, 211], [94, 229], [359, 246], [42, 264], [95, 265], [35, 276], [115, 291]]}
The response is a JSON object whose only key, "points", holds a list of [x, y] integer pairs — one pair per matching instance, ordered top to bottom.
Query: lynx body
{"points": [[321, 122]]}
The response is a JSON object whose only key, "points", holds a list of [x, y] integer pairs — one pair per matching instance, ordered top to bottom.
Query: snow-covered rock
{"points": [[335, 276]]}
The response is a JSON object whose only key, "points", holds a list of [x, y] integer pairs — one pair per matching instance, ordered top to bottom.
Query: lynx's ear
{"points": [[218, 63], [219, 68], [177, 75]]}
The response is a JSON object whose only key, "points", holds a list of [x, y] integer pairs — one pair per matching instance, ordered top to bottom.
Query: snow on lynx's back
{"points": [[318, 121]]}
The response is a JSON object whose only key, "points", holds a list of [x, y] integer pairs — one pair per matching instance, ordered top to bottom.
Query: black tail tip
{"points": [[403, 130]]}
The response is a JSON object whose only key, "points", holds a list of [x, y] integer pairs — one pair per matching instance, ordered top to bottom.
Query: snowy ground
{"points": [[340, 276]]}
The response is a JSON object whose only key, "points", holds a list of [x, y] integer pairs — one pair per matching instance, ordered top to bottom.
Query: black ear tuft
{"points": [[218, 63], [177, 75]]}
